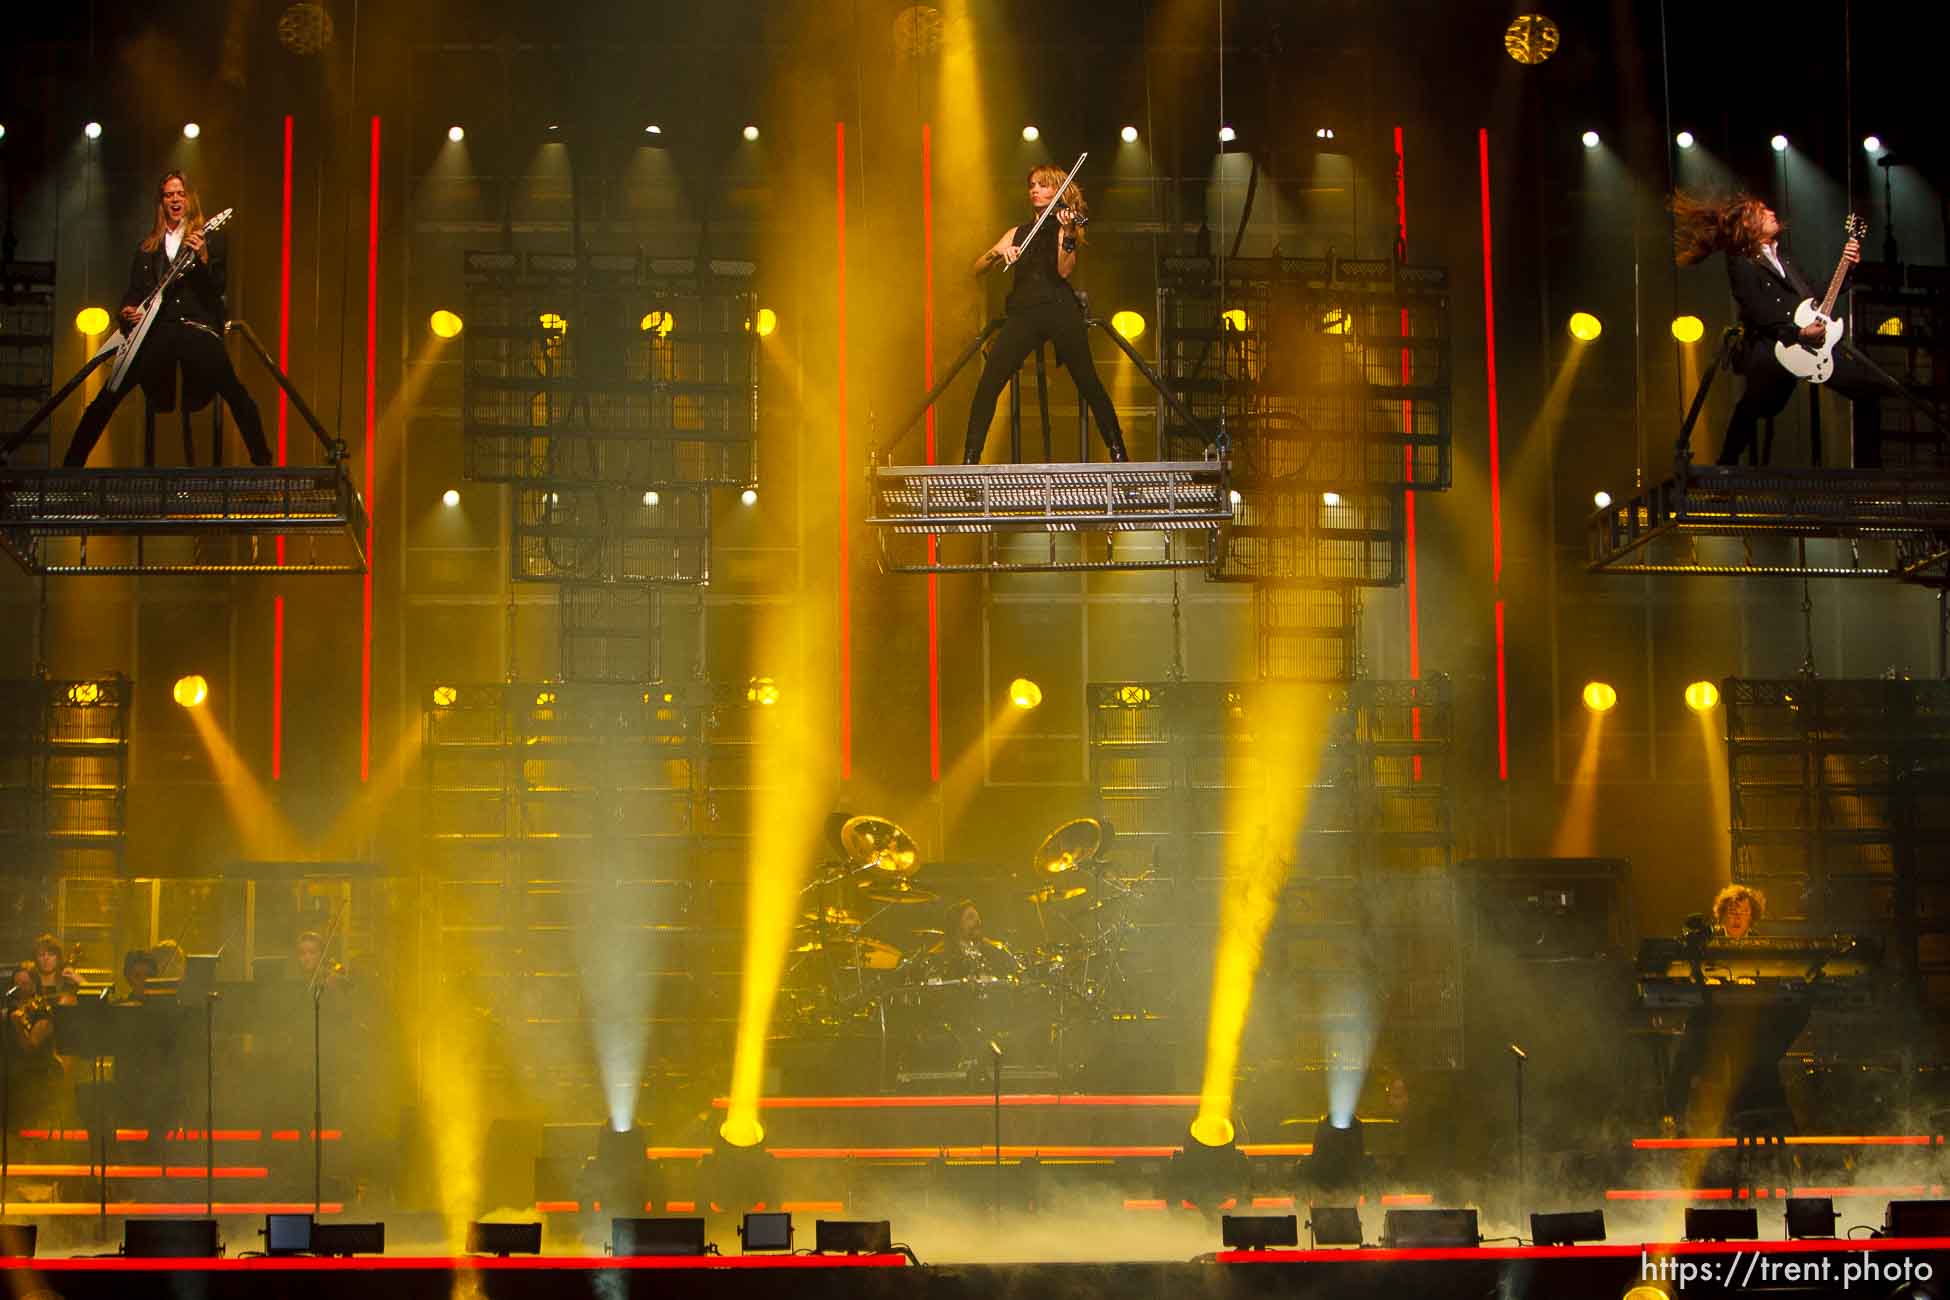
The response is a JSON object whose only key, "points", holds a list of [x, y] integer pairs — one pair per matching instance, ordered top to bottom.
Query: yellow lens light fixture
{"points": [[1531, 39], [1234, 319], [91, 321], [553, 322], [765, 322], [660, 323], [444, 324], [1128, 324], [1585, 327], [1891, 327], [1688, 329], [191, 691], [762, 691], [85, 693], [1025, 694], [1133, 696], [444, 697], [1599, 697], [1702, 697], [544, 699], [742, 1131], [1213, 1131]]}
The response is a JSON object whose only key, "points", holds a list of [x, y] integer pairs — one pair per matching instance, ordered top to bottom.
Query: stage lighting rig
{"points": [[93, 130], [191, 130], [456, 133], [751, 133], [1031, 134], [1128, 135], [1227, 135], [1590, 139], [1685, 140], [1778, 144], [91, 321], [445, 324], [1585, 327], [450, 498], [1601, 499], [191, 691], [1025, 694], [1702, 696], [1600, 697], [1340, 1157], [1810, 1216], [1335, 1225], [1567, 1229], [1258, 1231], [632, 1237], [853, 1237]]}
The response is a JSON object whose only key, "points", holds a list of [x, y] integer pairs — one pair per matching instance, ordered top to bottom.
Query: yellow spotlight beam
{"points": [[1715, 749], [1263, 821], [261, 827], [1574, 838]]}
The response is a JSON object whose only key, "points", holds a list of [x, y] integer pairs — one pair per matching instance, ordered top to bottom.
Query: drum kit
{"points": [[939, 1000]]}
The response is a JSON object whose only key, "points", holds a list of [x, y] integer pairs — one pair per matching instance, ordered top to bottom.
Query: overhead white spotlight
{"points": [[553, 127], [652, 129], [3, 130], [93, 130], [191, 130], [751, 132], [456, 133], [1323, 133], [1031, 134], [1128, 135], [1227, 135], [1590, 139], [1685, 140], [1873, 143], [1778, 144], [749, 496], [450, 498], [651, 498], [1236, 498], [1601, 499]]}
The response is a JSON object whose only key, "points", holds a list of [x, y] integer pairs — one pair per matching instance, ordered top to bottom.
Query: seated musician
{"points": [[310, 951], [964, 952], [138, 968], [54, 977], [34, 1073], [1726, 1076]]}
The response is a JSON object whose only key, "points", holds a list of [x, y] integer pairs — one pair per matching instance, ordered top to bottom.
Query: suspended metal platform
{"points": [[1050, 518], [182, 521], [1729, 521]]}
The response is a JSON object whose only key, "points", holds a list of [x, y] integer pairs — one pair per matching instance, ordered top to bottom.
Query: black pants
{"points": [[1024, 330], [206, 368], [1768, 388]]}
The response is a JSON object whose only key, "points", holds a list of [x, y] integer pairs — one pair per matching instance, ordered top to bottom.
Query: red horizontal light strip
{"points": [[981, 1100], [176, 1135], [1797, 1140], [1276, 1148], [676, 1153], [126, 1209], [1620, 1250], [437, 1264]]}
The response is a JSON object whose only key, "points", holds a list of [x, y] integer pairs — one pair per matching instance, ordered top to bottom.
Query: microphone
{"points": [[996, 1048], [1520, 1054]]}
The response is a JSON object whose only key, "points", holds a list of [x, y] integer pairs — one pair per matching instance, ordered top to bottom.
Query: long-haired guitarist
{"points": [[1767, 288], [1042, 308], [188, 331]]}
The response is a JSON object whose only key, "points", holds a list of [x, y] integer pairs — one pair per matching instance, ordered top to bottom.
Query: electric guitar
{"points": [[129, 343], [1815, 362]]}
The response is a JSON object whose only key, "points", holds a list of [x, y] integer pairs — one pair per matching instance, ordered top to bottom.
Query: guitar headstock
{"points": [[216, 223], [1854, 227]]}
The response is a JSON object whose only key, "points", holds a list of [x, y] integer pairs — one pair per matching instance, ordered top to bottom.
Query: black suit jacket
{"points": [[197, 294], [1766, 302]]}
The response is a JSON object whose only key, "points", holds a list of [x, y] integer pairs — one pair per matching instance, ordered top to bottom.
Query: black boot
{"points": [[1115, 443], [971, 456]]}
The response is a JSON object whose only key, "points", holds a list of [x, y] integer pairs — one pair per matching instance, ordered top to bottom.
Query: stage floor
{"points": [[1702, 1269]]}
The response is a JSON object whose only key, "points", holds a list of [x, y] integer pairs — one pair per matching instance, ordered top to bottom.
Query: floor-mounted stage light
{"points": [[1340, 1159], [1210, 1166], [1810, 1216], [1916, 1219], [1717, 1223], [1334, 1225], [1402, 1229], [1567, 1229], [1258, 1231], [765, 1232], [853, 1236], [632, 1237], [170, 1238], [347, 1239], [504, 1239], [18, 1240]]}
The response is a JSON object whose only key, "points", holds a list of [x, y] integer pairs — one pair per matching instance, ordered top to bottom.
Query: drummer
{"points": [[964, 951]]}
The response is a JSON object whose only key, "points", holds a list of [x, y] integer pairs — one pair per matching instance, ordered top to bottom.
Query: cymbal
{"points": [[878, 843], [1071, 845], [897, 891], [1056, 893], [837, 917], [928, 934], [870, 954]]}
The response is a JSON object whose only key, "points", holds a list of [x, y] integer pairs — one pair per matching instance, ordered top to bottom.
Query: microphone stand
{"points": [[316, 988], [995, 1076], [1522, 1187]]}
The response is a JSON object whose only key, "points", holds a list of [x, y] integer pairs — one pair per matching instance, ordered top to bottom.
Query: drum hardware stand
{"points": [[995, 1075]]}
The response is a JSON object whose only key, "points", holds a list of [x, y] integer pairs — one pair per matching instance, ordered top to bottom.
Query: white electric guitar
{"points": [[128, 342], [1815, 362]]}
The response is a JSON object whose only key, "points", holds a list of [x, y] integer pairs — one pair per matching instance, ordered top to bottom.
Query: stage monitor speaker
{"points": [[1810, 1216], [1916, 1219], [1715, 1223], [1336, 1225], [1410, 1228], [1567, 1229], [1258, 1231], [766, 1232], [287, 1234], [853, 1236], [631, 1237], [170, 1238], [355, 1239], [504, 1239], [17, 1240]]}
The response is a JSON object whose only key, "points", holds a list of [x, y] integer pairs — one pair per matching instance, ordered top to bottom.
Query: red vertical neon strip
{"points": [[372, 369], [927, 380], [284, 408], [1408, 459], [846, 468], [1496, 475]]}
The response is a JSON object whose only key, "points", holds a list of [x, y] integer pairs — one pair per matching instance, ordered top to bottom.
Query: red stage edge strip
{"points": [[372, 369], [927, 378], [284, 411], [1408, 461], [1496, 473], [846, 579]]}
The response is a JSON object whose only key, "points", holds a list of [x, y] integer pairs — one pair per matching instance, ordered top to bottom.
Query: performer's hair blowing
{"points": [[1072, 198], [192, 213], [1703, 225], [1732, 895]]}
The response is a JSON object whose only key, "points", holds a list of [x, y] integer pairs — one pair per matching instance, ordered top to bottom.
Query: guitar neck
{"points": [[1834, 287]]}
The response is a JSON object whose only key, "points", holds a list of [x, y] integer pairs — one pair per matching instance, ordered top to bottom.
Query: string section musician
{"points": [[1767, 287], [1042, 308], [187, 333]]}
